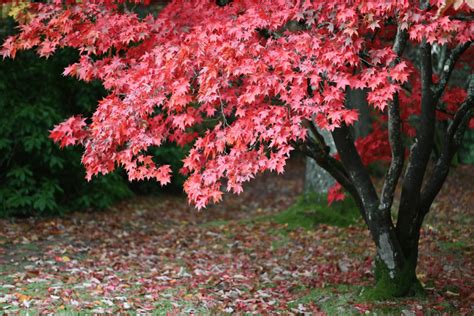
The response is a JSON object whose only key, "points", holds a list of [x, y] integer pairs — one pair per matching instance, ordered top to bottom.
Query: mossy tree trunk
{"points": [[395, 267], [403, 283]]}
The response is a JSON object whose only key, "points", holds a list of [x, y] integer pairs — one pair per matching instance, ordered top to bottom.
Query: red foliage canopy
{"points": [[250, 72]]}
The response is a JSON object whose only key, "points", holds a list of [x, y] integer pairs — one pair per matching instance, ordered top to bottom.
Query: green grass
{"points": [[312, 209], [308, 211], [216, 223], [454, 246], [348, 299], [333, 300]]}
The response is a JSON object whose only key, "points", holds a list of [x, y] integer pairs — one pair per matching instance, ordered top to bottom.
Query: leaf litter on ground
{"points": [[158, 254]]}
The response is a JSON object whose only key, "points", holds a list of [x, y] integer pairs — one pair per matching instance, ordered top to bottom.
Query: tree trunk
{"points": [[357, 99], [318, 180], [397, 278], [402, 283]]}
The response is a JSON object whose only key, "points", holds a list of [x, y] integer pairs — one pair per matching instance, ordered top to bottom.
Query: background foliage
{"points": [[36, 176]]}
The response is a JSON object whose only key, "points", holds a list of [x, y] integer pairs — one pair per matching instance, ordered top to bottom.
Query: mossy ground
{"points": [[313, 209], [307, 212], [352, 300]]}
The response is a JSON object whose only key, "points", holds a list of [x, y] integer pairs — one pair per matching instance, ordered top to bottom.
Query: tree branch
{"points": [[223, 3], [462, 17], [400, 42], [448, 69], [444, 111], [394, 135], [319, 138], [453, 139], [319, 151], [420, 151], [398, 155], [329, 164], [353, 164], [379, 222]]}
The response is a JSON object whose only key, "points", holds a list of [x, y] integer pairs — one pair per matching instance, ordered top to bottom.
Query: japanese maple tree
{"points": [[263, 78]]}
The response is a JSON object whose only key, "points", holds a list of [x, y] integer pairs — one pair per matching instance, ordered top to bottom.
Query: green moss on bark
{"points": [[404, 283]]}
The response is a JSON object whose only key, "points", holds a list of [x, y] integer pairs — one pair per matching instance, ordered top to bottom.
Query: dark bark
{"points": [[223, 3], [448, 67], [357, 99], [394, 135], [452, 141], [317, 149], [398, 155], [353, 164], [317, 179], [409, 213], [389, 251], [395, 273]]}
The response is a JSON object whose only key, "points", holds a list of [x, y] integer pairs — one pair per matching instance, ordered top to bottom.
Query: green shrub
{"points": [[36, 176]]}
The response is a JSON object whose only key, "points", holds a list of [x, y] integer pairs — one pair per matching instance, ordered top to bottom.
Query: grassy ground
{"points": [[158, 256]]}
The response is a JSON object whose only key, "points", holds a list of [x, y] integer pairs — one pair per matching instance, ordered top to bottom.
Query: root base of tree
{"points": [[403, 284]]}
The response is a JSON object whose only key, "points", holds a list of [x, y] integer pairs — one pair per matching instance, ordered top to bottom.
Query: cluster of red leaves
{"points": [[246, 70], [149, 253]]}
